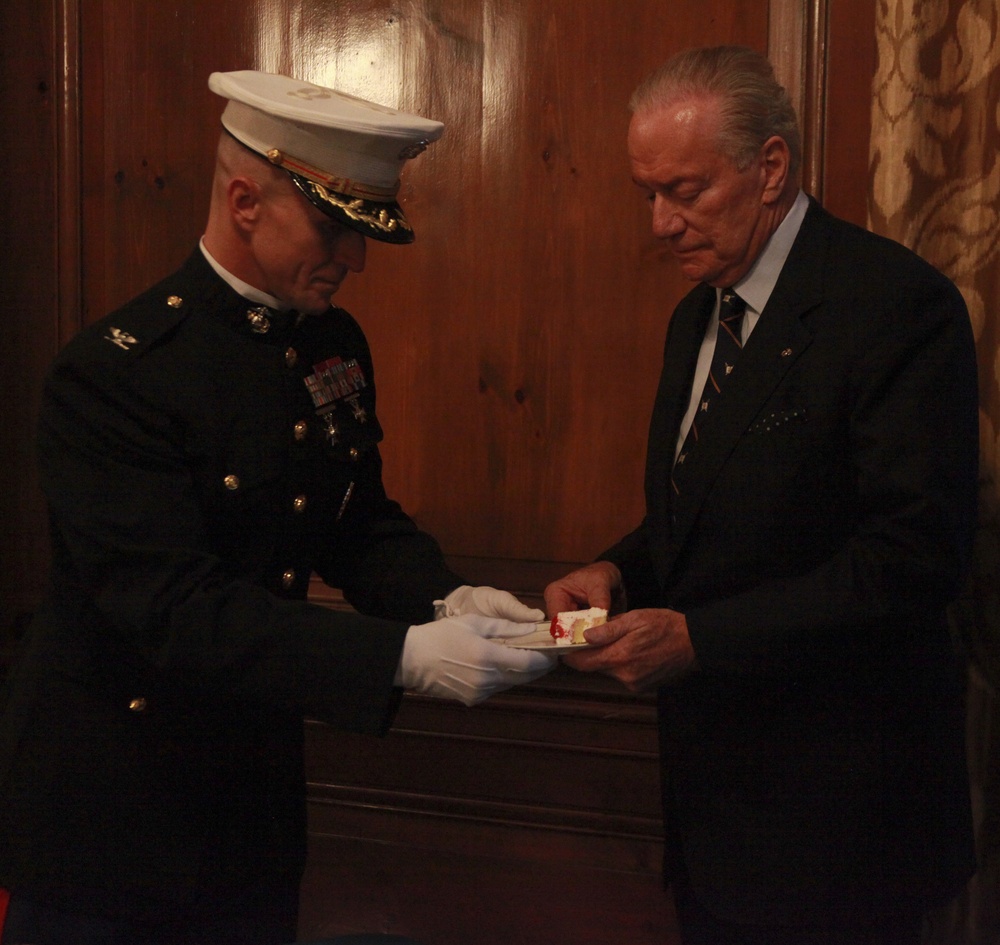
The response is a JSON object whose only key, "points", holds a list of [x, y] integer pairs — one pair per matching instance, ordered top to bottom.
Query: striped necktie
{"points": [[728, 344]]}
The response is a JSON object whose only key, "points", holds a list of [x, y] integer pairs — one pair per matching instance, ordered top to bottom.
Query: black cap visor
{"points": [[379, 221]]}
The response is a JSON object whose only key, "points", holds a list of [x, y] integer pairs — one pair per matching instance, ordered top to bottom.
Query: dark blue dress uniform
{"points": [[201, 459]]}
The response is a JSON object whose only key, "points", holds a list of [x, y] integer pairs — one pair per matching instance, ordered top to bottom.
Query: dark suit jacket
{"points": [[151, 743], [815, 763]]}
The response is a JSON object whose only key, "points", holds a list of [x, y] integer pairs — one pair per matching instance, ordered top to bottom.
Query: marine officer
{"points": [[204, 450]]}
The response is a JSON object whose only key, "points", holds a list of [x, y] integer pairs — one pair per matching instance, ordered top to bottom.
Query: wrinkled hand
{"points": [[597, 585], [487, 602], [640, 648], [452, 658]]}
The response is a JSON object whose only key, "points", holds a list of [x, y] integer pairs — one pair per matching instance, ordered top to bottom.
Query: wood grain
{"points": [[517, 347]]}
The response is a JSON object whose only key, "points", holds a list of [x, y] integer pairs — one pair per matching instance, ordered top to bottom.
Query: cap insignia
{"points": [[310, 92], [412, 150]]}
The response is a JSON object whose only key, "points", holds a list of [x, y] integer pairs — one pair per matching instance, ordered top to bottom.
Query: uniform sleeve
{"points": [[390, 568]]}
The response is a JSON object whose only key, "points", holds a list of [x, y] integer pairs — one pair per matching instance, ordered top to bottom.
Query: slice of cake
{"points": [[568, 627]]}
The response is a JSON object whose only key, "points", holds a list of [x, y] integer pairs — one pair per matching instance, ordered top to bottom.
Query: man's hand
{"points": [[597, 585], [487, 602], [641, 648], [452, 658]]}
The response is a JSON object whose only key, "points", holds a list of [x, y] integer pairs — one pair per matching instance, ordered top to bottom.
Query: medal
{"points": [[334, 380], [359, 412], [329, 421]]}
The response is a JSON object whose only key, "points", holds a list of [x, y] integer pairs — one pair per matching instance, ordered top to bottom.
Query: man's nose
{"points": [[666, 220], [350, 250]]}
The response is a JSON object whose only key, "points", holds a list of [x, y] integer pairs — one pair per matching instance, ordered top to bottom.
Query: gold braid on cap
{"points": [[356, 210]]}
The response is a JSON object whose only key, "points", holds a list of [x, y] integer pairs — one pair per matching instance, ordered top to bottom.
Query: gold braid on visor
{"points": [[371, 210]]}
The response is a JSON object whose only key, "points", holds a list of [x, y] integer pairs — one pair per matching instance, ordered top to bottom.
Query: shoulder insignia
{"points": [[121, 338]]}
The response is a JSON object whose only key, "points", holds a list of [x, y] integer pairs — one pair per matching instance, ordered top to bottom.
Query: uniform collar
{"points": [[240, 287], [224, 301]]}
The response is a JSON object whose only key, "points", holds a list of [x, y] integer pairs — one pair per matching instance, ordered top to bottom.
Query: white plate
{"points": [[541, 639]]}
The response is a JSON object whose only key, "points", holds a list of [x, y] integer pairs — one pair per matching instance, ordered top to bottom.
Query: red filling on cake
{"points": [[568, 627], [556, 630]]}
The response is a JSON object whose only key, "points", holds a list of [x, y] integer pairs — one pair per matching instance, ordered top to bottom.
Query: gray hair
{"points": [[755, 106]]}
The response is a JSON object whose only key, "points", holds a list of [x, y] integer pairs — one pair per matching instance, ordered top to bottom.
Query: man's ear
{"points": [[775, 162], [245, 199]]}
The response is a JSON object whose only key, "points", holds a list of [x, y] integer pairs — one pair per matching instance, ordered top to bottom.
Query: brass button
{"points": [[175, 301], [291, 356], [301, 429], [354, 453], [232, 482], [299, 504], [288, 579], [137, 705]]}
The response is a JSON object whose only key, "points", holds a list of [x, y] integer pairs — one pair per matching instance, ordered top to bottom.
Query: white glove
{"points": [[487, 602], [452, 658]]}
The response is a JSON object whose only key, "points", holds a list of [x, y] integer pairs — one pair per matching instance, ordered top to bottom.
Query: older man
{"points": [[204, 450], [810, 492]]}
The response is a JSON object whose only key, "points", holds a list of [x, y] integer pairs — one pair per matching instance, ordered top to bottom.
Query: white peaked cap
{"points": [[344, 153]]}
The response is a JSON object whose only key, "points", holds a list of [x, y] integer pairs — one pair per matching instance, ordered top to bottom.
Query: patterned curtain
{"points": [[935, 186]]}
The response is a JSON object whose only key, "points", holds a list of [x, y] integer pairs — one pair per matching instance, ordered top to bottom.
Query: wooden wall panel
{"points": [[851, 58], [29, 96], [517, 342], [517, 345], [529, 820]]}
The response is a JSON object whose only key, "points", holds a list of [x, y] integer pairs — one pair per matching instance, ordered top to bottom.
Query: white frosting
{"points": [[574, 622]]}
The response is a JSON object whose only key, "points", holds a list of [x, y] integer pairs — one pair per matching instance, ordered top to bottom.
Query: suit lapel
{"points": [[684, 338], [777, 342]]}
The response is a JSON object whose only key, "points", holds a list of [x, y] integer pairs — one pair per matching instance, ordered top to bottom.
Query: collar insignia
{"points": [[260, 319], [121, 338]]}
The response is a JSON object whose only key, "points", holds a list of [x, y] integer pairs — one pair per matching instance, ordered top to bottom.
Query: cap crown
{"points": [[345, 154]]}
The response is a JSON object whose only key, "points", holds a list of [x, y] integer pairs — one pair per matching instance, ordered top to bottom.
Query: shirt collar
{"points": [[238, 285], [756, 286]]}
